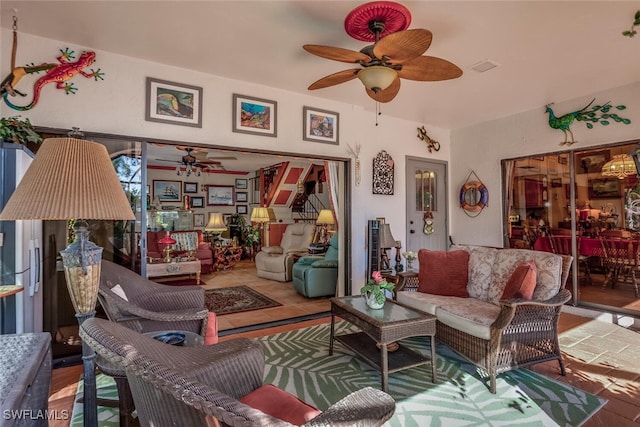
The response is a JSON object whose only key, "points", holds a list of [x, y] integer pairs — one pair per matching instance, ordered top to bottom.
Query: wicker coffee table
{"points": [[387, 325]]}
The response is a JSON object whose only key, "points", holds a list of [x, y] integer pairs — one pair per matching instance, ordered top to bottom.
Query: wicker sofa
{"points": [[496, 334]]}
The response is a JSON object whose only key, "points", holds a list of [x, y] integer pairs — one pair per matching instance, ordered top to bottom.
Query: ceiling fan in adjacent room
{"points": [[396, 53], [193, 163]]}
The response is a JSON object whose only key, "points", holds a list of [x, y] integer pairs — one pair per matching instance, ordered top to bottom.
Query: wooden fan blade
{"points": [[403, 46], [336, 53], [429, 69], [335, 78], [386, 95]]}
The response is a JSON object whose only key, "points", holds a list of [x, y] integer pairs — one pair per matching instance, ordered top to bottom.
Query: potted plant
{"points": [[20, 131], [375, 290]]}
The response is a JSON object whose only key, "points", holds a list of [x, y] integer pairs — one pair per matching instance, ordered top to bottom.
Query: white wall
{"points": [[117, 105], [481, 147]]}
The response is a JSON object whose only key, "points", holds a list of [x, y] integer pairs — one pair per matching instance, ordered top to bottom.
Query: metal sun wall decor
{"points": [[595, 114], [432, 144], [383, 168]]}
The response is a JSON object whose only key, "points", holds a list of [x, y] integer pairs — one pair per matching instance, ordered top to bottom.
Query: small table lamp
{"points": [[74, 179], [260, 216], [325, 218], [216, 225], [386, 242], [168, 243]]}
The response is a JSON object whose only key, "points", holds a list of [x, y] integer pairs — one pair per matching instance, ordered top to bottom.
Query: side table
{"points": [[225, 257], [25, 377]]}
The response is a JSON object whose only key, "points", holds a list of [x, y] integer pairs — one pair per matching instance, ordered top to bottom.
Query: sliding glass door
{"points": [[583, 203]]}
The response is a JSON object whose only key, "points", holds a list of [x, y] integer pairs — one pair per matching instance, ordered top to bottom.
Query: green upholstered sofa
{"points": [[316, 276]]}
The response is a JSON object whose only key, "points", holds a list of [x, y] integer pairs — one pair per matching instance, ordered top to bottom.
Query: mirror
{"points": [[474, 196]]}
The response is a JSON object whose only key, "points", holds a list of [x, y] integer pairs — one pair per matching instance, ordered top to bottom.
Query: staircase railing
{"points": [[307, 207]]}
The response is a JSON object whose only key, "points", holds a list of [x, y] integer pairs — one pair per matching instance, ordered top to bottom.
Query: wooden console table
{"points": [[225, 257]]}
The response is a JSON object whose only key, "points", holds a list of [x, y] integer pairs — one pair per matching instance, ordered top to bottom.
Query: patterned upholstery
{"points": [[185, 241]]}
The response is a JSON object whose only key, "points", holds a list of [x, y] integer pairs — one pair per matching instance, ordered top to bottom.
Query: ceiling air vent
{"points": [[484, 65]]}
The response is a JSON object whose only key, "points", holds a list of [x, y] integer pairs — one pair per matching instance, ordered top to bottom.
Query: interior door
{"points": [[427, 212]]}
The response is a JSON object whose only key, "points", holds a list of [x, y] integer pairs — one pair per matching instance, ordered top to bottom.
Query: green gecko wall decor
{"points": [[596, 114]]}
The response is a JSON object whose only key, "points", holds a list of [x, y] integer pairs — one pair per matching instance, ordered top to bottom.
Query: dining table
{"points": [[589, 246]]}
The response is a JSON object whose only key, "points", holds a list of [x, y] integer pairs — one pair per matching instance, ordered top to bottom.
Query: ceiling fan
{"points": [[396, 53], [194, 165]]}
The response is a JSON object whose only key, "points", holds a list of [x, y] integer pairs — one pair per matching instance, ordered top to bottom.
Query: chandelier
{"points": [[189, 162], [620, 166]]}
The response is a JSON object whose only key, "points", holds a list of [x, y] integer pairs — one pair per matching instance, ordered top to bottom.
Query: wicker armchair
{"points": [[147, 306], [150, 306], [525, 331], [193, 385]]}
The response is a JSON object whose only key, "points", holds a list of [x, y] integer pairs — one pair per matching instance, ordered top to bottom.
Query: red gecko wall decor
{"points": [[60, 74]]}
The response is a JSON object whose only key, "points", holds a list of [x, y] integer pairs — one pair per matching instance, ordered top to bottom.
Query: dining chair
{"points": [[561, 245], [621, 261]]}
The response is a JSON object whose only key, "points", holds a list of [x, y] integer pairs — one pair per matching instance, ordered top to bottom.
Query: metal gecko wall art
{"points": [[59, 73], [432, 144]]}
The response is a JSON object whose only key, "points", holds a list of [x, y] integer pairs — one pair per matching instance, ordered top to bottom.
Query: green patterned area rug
{"points": [[299, 362]]}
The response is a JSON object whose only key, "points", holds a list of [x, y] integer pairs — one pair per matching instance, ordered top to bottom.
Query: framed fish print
{"points": [[255, 115], [320, 125]]}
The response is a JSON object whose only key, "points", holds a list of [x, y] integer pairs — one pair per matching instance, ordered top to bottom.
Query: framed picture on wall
{"points": [[173, 103], [254, 115], [320, 125], [592, 161], [241, 184], [190, 187], [604, 189], [167, 191], [220, 195], [241, 196], [197, 202], [242, 209], [226, 217], [198, 220]]}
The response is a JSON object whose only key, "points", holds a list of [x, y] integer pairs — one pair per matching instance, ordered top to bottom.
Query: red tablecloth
{"points": [[589, 246]]}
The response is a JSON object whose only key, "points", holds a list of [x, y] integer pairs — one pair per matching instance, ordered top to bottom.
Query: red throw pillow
{"points": [[443, 273], [522, 282], [211, 335], [280, 404]]}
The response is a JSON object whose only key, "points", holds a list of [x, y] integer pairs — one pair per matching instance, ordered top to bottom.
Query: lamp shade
{"points": [[377, 77], [620, 166], [69, 178], [259, 214], [325, 217], [216, 223], [386, 238], [167, 240]]}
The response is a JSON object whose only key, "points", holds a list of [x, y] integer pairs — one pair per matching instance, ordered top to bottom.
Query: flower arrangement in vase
{"points": [[410, 256], [374, 290]]}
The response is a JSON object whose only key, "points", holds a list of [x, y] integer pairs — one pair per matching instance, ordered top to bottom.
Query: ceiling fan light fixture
{"points": [[377, 77]]}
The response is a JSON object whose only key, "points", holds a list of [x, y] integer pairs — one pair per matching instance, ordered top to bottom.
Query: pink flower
{"points": [[377, 276]]}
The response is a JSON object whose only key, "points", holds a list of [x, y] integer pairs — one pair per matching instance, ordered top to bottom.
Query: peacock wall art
{"points": [[589, 114]]}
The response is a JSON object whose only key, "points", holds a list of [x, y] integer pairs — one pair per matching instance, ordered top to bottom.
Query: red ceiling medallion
{"points": [[394, 16]]}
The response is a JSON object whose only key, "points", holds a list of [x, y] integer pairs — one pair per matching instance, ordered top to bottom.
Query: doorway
{"points": [[427, 204]]}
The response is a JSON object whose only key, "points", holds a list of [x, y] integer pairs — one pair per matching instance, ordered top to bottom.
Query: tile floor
{"points": [[600, 357]]}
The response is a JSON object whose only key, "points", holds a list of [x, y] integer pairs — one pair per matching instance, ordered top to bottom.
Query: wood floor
{"points": [[622, 389]]}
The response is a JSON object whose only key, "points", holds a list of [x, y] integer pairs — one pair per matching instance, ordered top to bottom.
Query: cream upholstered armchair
{"points": [[276, 262]]}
